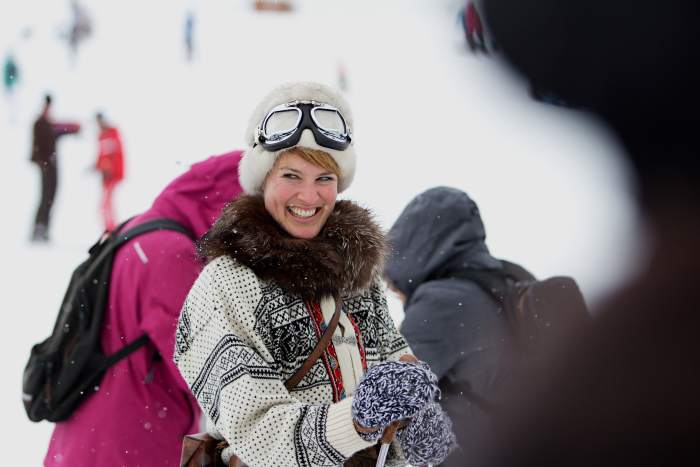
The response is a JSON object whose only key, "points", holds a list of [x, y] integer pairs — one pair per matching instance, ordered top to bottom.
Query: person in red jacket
{"points": [[474, 29], [110, 163]]}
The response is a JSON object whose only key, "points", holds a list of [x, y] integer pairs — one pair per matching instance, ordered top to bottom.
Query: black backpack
{"points": [[536, 310], [68, 366]]}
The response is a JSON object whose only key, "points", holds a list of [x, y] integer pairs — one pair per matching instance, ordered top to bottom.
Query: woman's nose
{"points": [[308, 194]]}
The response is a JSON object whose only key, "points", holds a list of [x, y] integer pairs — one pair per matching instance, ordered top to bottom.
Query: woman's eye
{"points": [[290, 176], [326, 179]]}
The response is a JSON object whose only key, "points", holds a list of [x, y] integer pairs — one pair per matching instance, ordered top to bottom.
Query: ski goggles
{"points": [[283, 125]]}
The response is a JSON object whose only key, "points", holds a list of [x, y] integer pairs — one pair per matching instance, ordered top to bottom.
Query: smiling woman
{"points": [[300, 191], [277, 333]]}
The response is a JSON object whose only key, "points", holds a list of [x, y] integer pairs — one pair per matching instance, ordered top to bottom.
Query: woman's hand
{"points": [[390, 392], [428, 439]]}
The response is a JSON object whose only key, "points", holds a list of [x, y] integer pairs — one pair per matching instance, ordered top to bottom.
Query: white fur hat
{"points": [[257, 162]]}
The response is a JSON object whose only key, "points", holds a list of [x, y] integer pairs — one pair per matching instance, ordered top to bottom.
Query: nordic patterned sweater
{"points": [[254, 315]]}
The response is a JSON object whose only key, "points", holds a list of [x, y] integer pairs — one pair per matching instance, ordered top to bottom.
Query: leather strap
{"points": [[319, 349]]}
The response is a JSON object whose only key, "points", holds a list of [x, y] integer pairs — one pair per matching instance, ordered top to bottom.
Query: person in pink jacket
{"points": [[142, 407]]}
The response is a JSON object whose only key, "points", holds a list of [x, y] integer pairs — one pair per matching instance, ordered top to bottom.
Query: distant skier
{"points": [[273, 5], [80, 28], [474, 28], [189, 35], [10, 74], [10, 80], [343, 83], [45, 134], [110, 163]]}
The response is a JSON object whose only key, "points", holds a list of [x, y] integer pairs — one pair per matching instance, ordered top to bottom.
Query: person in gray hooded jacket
{"points": [[450, 323]]}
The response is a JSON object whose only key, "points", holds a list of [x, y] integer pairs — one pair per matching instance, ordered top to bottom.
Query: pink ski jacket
{"points": [[142, 408]]}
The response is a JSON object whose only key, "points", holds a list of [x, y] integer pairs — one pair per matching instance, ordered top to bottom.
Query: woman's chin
{"points": [[299, 227], [305, 231]]}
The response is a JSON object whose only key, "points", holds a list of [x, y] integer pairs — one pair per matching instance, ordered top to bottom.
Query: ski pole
{"points": [[388, 436], [386, 439]]}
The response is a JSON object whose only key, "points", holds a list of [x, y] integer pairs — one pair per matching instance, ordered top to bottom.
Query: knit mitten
{"points": [[389, 392], [428, 439]]}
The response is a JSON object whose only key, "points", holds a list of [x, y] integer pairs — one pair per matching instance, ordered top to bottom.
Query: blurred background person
{"points": [[273, 5], [80, 27], [473, 28], [189, 35], [10, 73], [343, 78], [45, 133], [110, 165], [452, 324], [623, 391], [142, 408]]}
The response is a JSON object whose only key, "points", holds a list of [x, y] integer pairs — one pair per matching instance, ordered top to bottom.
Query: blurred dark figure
{"points": [[80, 27], [473, 28], [189, 35], [10, 73], [45, 134], [110, 164], [452, 324], [625, 390]]}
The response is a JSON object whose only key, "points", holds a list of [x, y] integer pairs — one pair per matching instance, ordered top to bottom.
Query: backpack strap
{"points": [[150, 226], [115, 242], [516, 272], [491, 281], [494, 281], [128, 349], [319, 349]]}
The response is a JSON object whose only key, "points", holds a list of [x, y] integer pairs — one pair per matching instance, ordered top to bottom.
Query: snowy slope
{"points": [[549, 183]]}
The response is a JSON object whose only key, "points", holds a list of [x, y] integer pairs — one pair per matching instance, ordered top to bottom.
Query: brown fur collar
{"points": [[344, 258]]}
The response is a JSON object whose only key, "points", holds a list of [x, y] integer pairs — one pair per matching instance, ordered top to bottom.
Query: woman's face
{"points": [[299, 195]]}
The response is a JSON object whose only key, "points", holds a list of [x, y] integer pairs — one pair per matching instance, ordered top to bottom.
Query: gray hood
{"points": [[440, 230]]}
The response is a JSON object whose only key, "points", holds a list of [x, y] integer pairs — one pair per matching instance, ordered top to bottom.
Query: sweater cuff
{"points": [[340, 431]]}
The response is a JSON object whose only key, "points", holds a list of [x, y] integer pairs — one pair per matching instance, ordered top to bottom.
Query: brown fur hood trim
{"points": [[344, 258]]}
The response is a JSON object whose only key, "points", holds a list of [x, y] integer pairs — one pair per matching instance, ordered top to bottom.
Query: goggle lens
{"points": [[329, 120], [281, 123]]}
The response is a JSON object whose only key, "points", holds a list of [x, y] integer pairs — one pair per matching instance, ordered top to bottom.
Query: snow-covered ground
{"points": [[552, 191]]}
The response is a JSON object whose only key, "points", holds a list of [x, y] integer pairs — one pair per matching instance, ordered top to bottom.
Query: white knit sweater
{"points": [[239, 339]]}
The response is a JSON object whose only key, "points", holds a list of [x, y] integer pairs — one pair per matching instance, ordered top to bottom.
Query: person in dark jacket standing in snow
{"points": [[45, 134], [452, 324]]}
